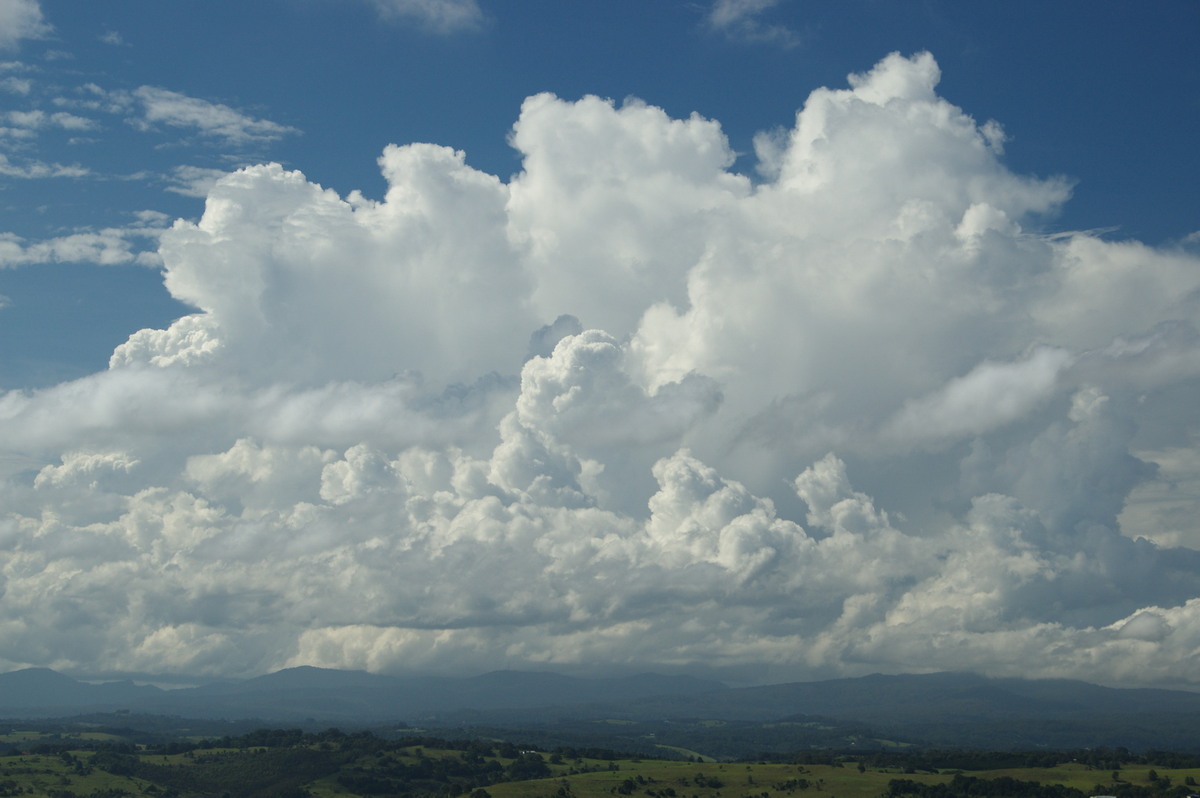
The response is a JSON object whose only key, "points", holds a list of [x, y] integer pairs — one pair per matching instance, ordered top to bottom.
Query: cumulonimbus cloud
{"points": [[629, 409]]}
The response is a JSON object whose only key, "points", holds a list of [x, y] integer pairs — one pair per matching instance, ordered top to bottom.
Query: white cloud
{"points": [[437, 16], [21, 19], [742, 20], [15, 85], [92, 97], [164, 107], [34, 120], [70, 121], [32, 170], [671, 173], [194, 181], [110, 246], [370, 270], [990, 395], [630, 409], [1161, 510]]}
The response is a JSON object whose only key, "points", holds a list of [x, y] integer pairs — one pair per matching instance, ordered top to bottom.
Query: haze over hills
{"points": [[334, 695], [946, 709]]}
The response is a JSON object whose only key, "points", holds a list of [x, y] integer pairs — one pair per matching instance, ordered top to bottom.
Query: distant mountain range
{"points": [[320, 694], [946, 709]]}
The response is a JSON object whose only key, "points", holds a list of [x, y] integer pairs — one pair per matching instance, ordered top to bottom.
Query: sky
{"points": [[764, 340]]}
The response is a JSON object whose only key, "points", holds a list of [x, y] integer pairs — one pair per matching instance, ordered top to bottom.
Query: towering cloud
{"points": [[631, 409]]}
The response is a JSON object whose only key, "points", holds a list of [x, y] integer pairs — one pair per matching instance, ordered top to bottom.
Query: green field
{"points": [[280, 764], [55, 776], [784, 781]]}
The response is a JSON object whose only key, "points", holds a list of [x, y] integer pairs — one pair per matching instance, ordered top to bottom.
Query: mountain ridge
{"points": [[940, 708]]}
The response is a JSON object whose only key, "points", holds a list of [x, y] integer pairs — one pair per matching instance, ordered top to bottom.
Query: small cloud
{"points": [[437, 16], [21, 19], [741, 20], [112, 37], [16, 85], [91, 97], [161, 106], [30, 119], [33, 120], [71, 121], [17, 133], [993, 133], [770, 146], [40, 169], [193, 181], [153, 219], [108, 247], [4, 302]]}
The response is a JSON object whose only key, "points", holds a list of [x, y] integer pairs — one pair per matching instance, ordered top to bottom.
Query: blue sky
{"points": [[1104, 93], [764, 339]]}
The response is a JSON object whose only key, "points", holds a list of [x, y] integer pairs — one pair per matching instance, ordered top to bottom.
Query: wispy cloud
{"points": [[437, 16], [742, 20], [152, 108], [173, 109], [39, 169], [193, 181]]}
